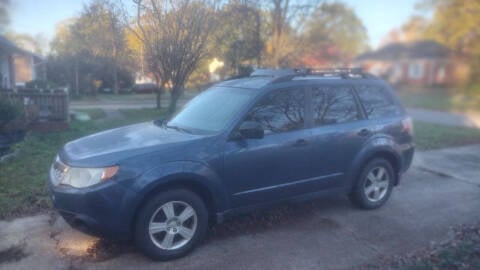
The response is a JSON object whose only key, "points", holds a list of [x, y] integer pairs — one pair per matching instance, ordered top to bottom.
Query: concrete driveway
{"points": [[323, 234]]}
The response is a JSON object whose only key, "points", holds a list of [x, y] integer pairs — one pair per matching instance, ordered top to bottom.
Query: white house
{"points": [[18, 66]]}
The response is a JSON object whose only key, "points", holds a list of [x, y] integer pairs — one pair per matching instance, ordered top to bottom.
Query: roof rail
{"points": [[265, 72], [344, 73], [282, 75]]}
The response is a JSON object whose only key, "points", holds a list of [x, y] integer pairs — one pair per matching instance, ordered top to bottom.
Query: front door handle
{"points": [[364, 132], [300, 142]]}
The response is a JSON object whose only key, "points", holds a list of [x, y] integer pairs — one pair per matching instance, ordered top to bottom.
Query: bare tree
{"points": [[286, 18], [174, 36]]}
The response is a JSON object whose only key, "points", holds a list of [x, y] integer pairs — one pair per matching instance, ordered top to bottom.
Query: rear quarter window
{"points": [[378, 103]]}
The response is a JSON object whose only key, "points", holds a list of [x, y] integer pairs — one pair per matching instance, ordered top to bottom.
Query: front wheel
{"points": [[374, 185], [170, 224]]}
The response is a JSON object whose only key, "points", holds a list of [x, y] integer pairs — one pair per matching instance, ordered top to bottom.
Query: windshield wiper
{"points": [[160, 122], [178, 128]]}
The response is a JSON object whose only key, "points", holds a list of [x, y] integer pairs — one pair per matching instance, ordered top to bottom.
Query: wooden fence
{"points": [[42, 107]]}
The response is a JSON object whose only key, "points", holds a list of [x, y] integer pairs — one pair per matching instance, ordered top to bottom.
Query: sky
{"points": [[41, 16]]}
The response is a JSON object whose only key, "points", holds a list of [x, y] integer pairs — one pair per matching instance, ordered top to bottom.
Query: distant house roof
{"points": [[9, 46], [415, 50]]}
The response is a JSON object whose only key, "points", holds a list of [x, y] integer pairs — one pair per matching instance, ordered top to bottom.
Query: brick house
{"points": [[423, 63]]}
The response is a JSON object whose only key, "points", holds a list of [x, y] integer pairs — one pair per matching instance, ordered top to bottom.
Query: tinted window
{"points": [[377, 102], [333, 105], [280, 111]]}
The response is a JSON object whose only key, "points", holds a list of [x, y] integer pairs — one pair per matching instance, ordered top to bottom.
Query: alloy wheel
{"points": [[376, 184], [173, 225]]}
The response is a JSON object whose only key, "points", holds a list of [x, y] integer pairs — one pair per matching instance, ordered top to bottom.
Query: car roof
{"points": [[274, 78], [248, 82]]}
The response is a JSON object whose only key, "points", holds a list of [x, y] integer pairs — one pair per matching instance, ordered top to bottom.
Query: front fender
{"points": [[183, 172]]}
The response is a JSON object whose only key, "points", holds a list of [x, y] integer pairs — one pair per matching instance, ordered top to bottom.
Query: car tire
{"points": [[374, 184], [171, 224]]}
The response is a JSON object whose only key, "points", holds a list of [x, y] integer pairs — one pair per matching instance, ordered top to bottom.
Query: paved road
{"points": [[324, 234]]}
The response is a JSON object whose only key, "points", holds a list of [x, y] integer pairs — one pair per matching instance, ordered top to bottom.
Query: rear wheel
{"points": [[374, 185], [171, 224]]}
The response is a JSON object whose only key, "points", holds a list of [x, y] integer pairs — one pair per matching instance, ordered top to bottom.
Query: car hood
{"points": [[107, 147]]}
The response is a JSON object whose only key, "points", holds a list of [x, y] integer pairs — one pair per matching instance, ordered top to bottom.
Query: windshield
{"points": [[212, 110]]}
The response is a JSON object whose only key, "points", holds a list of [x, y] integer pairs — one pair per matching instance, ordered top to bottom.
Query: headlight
{"points": [[81, 177], [85, 177]]}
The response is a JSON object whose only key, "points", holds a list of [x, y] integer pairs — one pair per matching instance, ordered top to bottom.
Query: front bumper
{"points": [[104, 210]]}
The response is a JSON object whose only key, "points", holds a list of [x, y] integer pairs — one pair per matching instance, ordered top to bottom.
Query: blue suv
{"points": [[277, 135]]}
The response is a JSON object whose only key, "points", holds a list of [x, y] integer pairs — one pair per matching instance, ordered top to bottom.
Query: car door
{"points": [[339, 132], [270, 168]]}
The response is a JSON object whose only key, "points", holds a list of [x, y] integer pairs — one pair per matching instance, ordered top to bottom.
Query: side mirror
{"points": [[251, 130]]}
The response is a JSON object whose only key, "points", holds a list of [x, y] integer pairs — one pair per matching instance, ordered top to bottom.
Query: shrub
{"points": [[39, 84], [9, 112]]}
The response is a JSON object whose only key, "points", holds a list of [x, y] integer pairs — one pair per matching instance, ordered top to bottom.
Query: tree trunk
{"points": [[257, 37], [114, 52], [115, 68], [115, 78], [77, 84], [159, 91], [159, 94], [175, 94]]}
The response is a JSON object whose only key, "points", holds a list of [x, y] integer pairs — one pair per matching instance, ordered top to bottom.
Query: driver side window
{"points": [[280, 111]]}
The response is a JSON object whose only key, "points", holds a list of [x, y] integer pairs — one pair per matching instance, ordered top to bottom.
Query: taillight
{"points": [[407, 125]]}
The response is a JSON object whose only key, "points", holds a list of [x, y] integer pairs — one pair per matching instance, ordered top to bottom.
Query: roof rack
{"points": [[265, 72], [345, 73], [282, 75]]}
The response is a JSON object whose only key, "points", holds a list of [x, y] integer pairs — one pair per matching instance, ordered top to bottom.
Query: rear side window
{"points": [[377, 102], [333, 105], [280, 111]]}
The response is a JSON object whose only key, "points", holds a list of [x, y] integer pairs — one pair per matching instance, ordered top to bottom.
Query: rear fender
{"points": [[376, 147]]}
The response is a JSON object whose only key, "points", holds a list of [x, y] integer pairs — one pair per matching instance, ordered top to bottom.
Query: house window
{"points": [[415, 71], [441, 73]]}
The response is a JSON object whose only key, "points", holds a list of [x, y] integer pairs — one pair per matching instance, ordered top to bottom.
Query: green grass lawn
{"points": [[113, 97], [127, 97], [440, 99], [94, 114], [142, 114], [432, 136], [23, 178]]}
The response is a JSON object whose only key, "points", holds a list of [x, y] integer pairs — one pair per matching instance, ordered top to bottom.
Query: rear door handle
{"points": [[364, 132], [300, 142]]}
